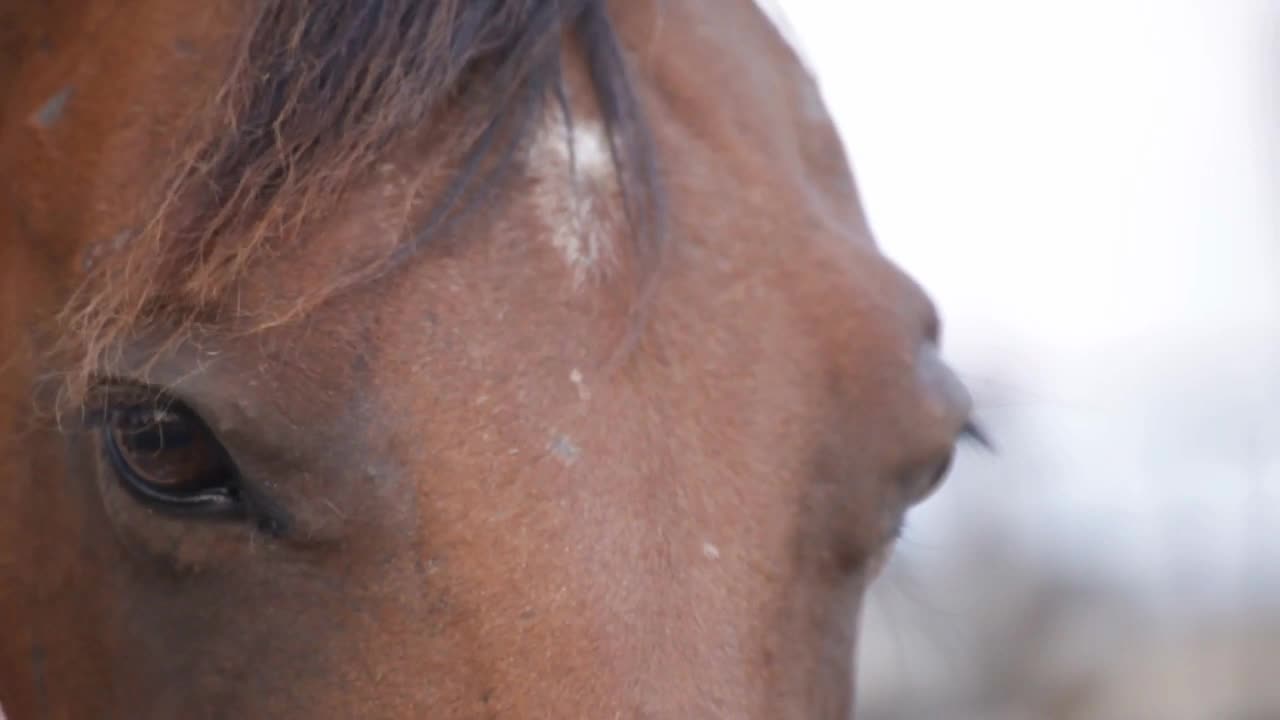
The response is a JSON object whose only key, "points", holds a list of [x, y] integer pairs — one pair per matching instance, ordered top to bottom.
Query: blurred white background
{"points": [[1088, 189]]}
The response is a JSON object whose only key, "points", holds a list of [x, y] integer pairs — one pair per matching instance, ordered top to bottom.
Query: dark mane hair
{"points": [[316, 95]]}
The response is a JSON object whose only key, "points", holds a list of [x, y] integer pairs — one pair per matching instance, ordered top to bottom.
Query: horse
{"points": [[404, 359]]}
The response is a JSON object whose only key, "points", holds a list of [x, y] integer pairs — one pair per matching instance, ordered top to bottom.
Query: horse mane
{"points": [[316, 94]]}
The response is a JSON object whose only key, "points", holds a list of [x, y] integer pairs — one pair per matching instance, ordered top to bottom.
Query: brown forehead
{"points": [[748, 112], [271, 129], [742, 135], [748, 216]]}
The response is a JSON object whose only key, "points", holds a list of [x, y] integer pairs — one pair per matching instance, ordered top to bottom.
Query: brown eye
{"points": [[166, 456]]}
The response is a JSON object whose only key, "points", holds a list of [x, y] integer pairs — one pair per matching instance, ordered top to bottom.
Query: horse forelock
{"points": [[315, 96]]}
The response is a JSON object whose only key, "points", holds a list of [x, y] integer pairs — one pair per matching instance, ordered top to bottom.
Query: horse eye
{"points": [[166, 456]]}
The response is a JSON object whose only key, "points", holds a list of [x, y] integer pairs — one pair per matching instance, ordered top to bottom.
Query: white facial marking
{"points": [[591, 155], [576, 185], [575, 377], [711, 552]]}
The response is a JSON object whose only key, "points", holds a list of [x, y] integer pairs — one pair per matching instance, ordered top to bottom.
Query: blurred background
{"points": [[1088, 189]]}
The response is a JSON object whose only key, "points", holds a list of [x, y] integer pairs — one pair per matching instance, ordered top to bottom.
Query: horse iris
{"points": [[165, 455]]}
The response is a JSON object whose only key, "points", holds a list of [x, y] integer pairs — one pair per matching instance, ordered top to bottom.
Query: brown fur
{"points": [[315, 94], [455, 506]]}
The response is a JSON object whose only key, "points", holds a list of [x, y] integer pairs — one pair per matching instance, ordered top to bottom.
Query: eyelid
{"points": [[108, 396]]}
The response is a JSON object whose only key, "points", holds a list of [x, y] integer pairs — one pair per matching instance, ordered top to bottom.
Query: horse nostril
{"points": [[944, 389], [946, 416], [940, 472], [924, 483]]}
